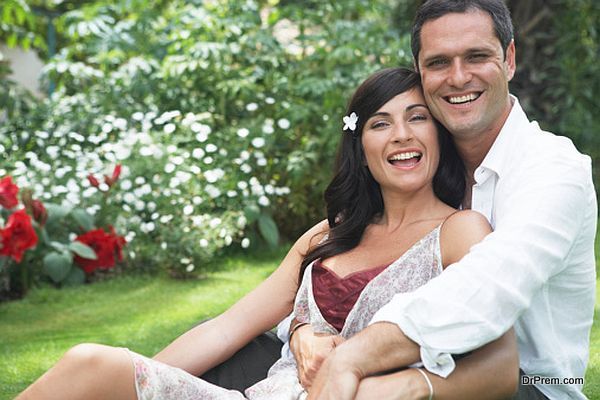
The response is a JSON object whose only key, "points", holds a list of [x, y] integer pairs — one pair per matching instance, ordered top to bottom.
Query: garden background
{"points": [[194, 139]]}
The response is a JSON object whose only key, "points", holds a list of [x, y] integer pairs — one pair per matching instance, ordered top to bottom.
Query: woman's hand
{"points": [[310, 350]]}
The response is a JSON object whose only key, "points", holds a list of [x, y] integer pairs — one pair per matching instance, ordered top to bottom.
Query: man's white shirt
{"points": [[535, 271]]}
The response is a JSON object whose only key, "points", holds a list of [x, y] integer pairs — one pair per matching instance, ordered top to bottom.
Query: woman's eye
{"points": [[417, 117], [379, 125]]}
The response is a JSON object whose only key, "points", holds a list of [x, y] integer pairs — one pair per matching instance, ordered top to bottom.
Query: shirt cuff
{"points": [[435, 361]]}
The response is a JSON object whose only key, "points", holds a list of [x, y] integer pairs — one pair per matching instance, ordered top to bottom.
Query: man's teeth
{"points": [[462, 99], [405, 156]]}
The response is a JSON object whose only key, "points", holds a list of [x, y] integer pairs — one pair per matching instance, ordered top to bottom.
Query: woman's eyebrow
{"points": [[408, 108]]}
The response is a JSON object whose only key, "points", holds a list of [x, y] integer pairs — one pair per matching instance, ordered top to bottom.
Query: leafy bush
{"points": [[214, 109]]}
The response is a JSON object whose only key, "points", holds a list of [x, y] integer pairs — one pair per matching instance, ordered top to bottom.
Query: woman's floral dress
{"points": [[419, 264]]}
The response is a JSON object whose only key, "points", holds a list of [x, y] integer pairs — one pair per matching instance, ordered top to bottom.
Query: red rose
{"points": [[110, 180], [93, 181], [8, 193], [40, 215], [17, 236], [105, 245]]}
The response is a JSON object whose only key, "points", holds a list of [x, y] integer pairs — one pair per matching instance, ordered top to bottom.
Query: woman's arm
{"points": [[214, 341]]}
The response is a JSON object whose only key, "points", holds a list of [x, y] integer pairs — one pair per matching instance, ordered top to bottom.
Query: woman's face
{"points": [[401, 145]]}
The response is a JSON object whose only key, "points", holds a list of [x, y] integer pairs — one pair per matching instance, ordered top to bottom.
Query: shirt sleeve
{"points": [[480, 297]]}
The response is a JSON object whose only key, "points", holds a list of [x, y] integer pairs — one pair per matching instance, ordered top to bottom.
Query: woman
{"points": [[391, 227]]}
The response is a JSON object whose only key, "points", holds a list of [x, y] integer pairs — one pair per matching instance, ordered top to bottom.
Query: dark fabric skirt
{"points": [[249, 365]]}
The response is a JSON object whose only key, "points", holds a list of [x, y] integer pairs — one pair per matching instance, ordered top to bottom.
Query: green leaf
{"points": [[56, 212], [252, 212], [83, 219], [268, 229], [58, 246], [82, 250], [57, 266], [76, 277]]}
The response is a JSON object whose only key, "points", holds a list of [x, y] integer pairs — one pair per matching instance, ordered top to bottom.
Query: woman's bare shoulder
{"points": [[460, 232], [312, 236]]}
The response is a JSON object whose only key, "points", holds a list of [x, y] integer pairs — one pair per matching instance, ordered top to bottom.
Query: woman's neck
{"points": [[402, 209]]}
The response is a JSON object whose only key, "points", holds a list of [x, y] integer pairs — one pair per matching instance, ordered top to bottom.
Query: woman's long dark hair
{"points": [[353, 197]]}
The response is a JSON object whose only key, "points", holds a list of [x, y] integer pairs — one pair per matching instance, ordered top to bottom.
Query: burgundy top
{"points": [[335, 296]]}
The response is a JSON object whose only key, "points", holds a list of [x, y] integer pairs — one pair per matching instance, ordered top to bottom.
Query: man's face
{"points": [[465, 75]]}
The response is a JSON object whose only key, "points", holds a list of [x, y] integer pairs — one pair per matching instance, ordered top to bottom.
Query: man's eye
{"points": [[478, 57], [436, 63]]}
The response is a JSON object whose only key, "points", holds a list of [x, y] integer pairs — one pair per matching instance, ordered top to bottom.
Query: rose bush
{"points": [[17, 236], [37, 241]]}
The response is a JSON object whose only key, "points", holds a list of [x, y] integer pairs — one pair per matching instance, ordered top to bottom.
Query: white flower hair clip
{"points": [[350, 122]]}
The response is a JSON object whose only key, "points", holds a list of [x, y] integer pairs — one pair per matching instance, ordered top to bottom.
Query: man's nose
{"points": [[459, 74]]}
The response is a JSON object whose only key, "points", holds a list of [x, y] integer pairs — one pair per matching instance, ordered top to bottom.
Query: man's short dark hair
{"points": [[433, 9]]}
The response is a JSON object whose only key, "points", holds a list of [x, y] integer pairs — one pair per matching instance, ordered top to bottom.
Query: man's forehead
{"points": [[474, 27]]}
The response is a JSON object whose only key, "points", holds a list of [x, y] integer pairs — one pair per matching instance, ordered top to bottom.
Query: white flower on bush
{"points": [[270, 100], [251, 106], [138, 116], [120, 123], [283, 123], [169, 128], [243, 132], [258, 142], [211, 148], [171, 149], [198, 153], [244, 155], [177, 160], [208, 160], [169, 168], [246, 168], [214, 175], [174, 182], [242, 185], [212, 191], [231, 193], [197, 200], [263, 201], [188, 210], [166, 219], [214, 222], [241, 222], [147, 227], [228, 240], [203, 243], [245, 243], [163, 245]]}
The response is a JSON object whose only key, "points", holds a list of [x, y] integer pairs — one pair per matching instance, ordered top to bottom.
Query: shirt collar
{"points": [[498, 159]]}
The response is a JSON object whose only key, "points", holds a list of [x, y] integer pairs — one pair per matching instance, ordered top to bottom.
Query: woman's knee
{"points": [[89, 357]]}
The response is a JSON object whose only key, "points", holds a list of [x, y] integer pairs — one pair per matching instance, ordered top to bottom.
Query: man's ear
{"points": [[511, 60]]}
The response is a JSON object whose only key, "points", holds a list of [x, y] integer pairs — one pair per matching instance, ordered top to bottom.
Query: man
{"points": [[536, 271]]}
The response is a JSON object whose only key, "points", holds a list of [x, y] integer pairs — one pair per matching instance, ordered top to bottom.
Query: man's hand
{"points": [[378, 348], [310, 350], [337, 378], [407, 384]]}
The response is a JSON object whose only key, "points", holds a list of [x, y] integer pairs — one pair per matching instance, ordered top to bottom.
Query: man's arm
{"points": [[478, 298], [491, 372]]}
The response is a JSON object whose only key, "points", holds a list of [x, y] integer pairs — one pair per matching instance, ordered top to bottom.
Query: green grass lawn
{"points": [[141, 313]]}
